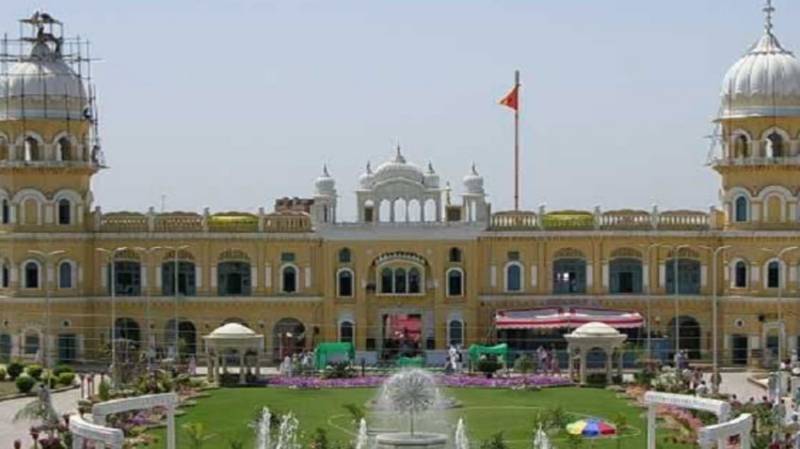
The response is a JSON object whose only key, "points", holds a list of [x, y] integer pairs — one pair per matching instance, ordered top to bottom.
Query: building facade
{"points": [[421, 267]]}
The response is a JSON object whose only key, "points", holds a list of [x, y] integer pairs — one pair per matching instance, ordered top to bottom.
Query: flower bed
{"points": [[456, 381]]}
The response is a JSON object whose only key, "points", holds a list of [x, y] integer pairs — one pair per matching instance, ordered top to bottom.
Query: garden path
{"points": [[64, 402]]}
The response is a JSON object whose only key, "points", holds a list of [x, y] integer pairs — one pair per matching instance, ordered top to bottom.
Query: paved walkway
{"points": [[737, 383], [64, 402]]}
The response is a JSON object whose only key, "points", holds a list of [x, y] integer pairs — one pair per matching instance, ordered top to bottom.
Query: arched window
{"points": [[775, 145], [3, 149], [64, 149], [741, 149], [31, 151], [741, 209], [64, 212], [5, 214], [344, 255], [455, 255], [31, 271], [740, 274], [773, 274], [65, 275], [625, 275], [5, 276], [569, 276], [688, 276], [513, 277], [127, 278], [186, 278], [233, 278], [289, 279], [387, 281], [400, 281], [414, 281], [455, 282], [344, 283], [346, 332], [455, 333], [31, 344]]}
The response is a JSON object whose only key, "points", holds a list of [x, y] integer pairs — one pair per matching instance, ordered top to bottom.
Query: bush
{"points": [[523, 364], [488, 366], [62, 368], [15, 369], [339, 370], [35, 371], [2, 373], [48, 378], [66, 378], [596, 379], [25, 383], [104, 390], [496, 441]]}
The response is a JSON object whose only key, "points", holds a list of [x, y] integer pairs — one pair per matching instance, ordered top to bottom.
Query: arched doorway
{"points": [[128, 329], [690, 334], [187, 337], [288, 337]]}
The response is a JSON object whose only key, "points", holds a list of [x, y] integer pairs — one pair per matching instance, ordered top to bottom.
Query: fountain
{"points": [[410, 393], [262, 429], [287, 433], [362, 440], [461, 441]]}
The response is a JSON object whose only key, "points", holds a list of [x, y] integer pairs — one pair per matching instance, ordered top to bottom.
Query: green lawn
{"points": [[227, 412]]}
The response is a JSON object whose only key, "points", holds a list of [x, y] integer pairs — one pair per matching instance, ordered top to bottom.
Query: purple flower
{"points": [[456, 381]]}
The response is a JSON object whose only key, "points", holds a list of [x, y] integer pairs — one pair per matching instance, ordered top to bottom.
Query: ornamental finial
{"points": [[768, 11], [325, 171]]}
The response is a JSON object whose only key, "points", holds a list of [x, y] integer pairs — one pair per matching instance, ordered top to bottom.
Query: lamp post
{"points": [[649, 248], [176, 250], [147, 253], [111, 255], [48, 262], [781, 274], [714, 316]]}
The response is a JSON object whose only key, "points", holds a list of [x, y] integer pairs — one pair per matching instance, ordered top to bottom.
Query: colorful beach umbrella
{"points": [[591, 428]]}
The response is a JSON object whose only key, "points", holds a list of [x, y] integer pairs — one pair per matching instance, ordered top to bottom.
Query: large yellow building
{"points": [[419, 269]]}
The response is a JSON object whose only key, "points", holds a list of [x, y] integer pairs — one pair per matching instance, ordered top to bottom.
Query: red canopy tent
{"points": [[569, 317]]}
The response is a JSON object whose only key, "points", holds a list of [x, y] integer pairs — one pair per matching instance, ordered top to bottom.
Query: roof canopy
{"points": [[566, 317], [234, 336]]}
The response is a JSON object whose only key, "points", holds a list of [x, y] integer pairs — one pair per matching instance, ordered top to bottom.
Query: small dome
{"points": [[764, 82], [42, 85], [398, 168], [431, 178], [365, 180], [473, 182], [325, 185], [595, 329], [232, 330]]}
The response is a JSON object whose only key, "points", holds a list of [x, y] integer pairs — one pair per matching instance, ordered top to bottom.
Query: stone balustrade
{"points": [[625, 219], [130, 222]]}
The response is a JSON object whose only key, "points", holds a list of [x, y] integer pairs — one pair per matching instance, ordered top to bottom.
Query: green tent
{"points": [[325, 350], [501, 351], [410, 362]]}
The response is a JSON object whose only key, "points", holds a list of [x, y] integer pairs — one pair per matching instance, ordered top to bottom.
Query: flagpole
{"points": [[516, 143]]}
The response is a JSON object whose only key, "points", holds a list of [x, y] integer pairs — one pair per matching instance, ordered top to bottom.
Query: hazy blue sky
{"points": [[233, 103]]}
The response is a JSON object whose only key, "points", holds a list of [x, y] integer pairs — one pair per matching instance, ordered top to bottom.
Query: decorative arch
{"points": [[776, 142], [741, 144], [30, 147], [66, 147], [5, 150], [31, 206], [741, 209], [625, 252], [571, 253], [234, 255], [66, 272], [739, 272], [774, 273], [31, 274], [290, 278], [454, 278], [514, 279], [345, 282]]}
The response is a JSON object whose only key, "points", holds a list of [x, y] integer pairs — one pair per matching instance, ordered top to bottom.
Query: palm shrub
{"points": [[14, 369]]}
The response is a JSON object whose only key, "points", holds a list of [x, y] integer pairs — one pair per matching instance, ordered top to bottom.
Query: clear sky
{"points": [[231, 104]]}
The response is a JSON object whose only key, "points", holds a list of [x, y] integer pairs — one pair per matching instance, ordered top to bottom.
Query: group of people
{"points": [[548, 361], [299, 363]]}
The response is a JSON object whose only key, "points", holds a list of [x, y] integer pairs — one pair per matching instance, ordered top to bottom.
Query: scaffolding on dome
{"points": [[41, 39]]}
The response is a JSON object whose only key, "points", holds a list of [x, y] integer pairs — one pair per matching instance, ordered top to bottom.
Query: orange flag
{"points": [[511, 99]]}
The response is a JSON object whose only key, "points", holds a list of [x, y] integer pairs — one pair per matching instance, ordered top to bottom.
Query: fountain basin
{"points": [[411, 441]]}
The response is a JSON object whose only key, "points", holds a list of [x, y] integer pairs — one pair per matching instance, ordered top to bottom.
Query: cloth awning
{"points": [[566, 317]]}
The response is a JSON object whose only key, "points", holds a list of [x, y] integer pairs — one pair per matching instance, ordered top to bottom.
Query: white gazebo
{"points": [[233, 336], [590, 336]]}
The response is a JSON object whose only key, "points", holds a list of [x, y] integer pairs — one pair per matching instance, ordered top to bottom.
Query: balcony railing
{"points": [[749, 161], [625, 219], [192, 222]]}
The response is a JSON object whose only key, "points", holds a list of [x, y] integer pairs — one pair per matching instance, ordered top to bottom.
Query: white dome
{"points": [[764, 82], [42, 85], [398, 168], [431, 179], [473, 182], [325, 185], [595, 329], [233, 330]]}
